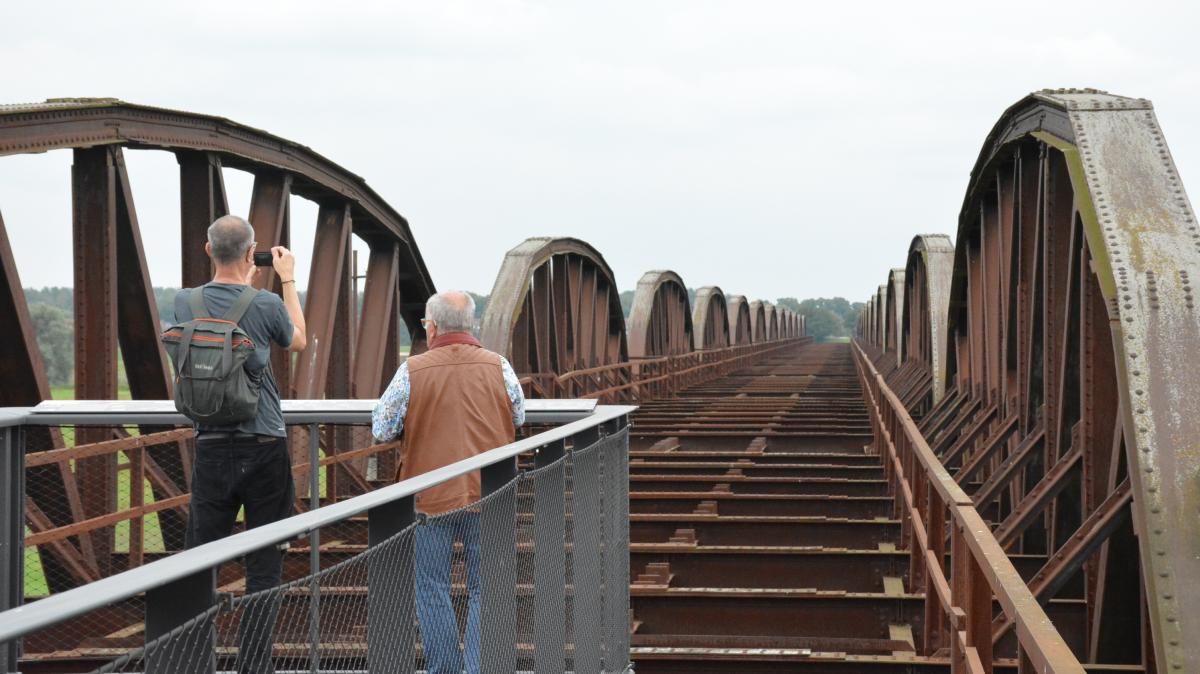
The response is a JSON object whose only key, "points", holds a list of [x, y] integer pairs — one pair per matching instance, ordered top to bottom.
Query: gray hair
{"points": [[229, 236], [451, 311]]}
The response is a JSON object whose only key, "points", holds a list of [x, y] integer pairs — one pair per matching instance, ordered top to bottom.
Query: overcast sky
{"points": [[774, 149]]}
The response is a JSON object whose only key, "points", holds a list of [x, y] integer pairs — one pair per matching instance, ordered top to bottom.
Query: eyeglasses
{"points": [[428, 321]]}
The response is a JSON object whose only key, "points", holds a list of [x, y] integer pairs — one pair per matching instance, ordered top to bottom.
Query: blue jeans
{"points": [[434, 542]]}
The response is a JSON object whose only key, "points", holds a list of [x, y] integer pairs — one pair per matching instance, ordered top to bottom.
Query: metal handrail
{"points": [[163, 413], [976, 556], [24, 620]]}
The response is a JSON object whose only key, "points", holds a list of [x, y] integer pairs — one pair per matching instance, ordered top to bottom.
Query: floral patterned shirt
{"points": [[387, 419]]}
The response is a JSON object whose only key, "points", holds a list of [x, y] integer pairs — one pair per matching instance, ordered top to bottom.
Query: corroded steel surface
{"points": [[926, 299], [555, 308], [115, 310], [895, 313], [710, 319], [758, 321], [660, 322], [740, 331], [1069, 368]]}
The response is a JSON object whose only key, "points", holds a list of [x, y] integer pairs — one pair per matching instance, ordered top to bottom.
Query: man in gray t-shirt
{"points": [[266, 322], [247, 465]]}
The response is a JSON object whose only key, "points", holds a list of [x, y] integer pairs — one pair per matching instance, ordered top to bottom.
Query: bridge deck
{"points": [[763, 535]]}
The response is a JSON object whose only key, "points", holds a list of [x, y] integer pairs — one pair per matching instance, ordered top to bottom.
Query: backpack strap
{"points": [[196, 300], [241, 304]]}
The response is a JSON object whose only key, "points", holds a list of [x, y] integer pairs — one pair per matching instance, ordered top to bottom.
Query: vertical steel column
{"points": [[93, 192], [201, 201], [269, 216], [320, 305], [373, 327], [340, 437], [12, 534], [550, 562], [498, 572], [390, 598], [168, 607]]}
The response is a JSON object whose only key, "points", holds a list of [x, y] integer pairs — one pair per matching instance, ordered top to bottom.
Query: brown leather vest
{"points": [[458, 407]]}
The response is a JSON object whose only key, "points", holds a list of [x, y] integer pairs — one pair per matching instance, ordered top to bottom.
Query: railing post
{"points": [[614, 510], [12, 534], [314, 550], [585, 556], [550, 563], [498, 572], [391, 587], [170, 606], [935, 617]]}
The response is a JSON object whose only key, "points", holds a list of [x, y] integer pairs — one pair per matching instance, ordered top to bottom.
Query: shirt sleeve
{"points": [[281, 326], [515, 395], [387, 419]]}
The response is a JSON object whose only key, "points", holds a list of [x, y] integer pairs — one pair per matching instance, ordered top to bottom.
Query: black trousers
{"points": [[254, 473]]}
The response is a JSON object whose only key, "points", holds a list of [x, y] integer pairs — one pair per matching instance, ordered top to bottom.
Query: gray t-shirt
{"points": [[265, 321]]}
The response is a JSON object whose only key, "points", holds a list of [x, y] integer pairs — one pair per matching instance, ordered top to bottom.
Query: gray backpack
{"points": [[212, 385]]}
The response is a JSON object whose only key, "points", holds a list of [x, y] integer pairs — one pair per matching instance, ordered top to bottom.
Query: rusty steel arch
{"points": [[98, 130], [926, 297], [115, 308], [555, 308], [894, 313], [881, 315], [710, 319], [660, 322], [758, 322], [740, 332], [1072, 336]]}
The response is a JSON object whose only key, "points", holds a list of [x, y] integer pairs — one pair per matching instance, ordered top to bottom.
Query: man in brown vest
{"points": [[451, 402]]}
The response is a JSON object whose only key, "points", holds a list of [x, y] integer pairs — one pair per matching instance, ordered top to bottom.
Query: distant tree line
{"points": [[52, 312], [826, 318]]}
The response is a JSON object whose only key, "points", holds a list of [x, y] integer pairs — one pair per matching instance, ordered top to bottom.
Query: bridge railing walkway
{"points": [[954, 556], [549, 568]]}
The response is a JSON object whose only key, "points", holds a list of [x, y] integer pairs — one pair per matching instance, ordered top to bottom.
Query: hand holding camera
{"points": [[284, 263]]}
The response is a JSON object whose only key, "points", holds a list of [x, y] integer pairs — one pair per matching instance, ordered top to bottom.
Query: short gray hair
{"points": [[229, 236], [451, 311]]}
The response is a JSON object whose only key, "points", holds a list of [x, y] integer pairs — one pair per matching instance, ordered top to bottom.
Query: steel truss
{"points": [[1069, 334]]}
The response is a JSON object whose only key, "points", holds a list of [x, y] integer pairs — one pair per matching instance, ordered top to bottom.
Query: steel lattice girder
{"points": [[204, 144], [926, 297], [115, 304], [555, 308], [895, 313], [710, 319], [739, 320], [758, 322], [660, 323], [1070, 339]]}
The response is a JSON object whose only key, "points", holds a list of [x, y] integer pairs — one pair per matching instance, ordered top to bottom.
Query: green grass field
{"points": [[68, 392]]}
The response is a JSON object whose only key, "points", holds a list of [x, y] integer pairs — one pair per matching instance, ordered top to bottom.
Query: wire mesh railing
{"points": [[367, 583]]}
